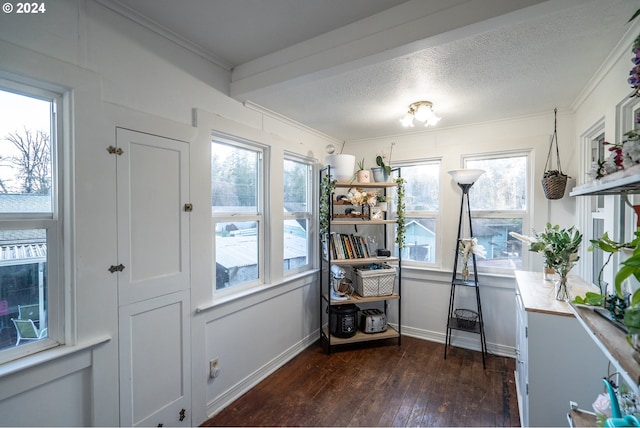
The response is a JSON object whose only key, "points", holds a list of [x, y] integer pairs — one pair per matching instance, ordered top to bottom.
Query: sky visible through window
{"points": [[17, 113]]}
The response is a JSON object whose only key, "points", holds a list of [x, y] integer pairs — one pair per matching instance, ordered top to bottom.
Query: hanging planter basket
{"points": [[554, 181]]}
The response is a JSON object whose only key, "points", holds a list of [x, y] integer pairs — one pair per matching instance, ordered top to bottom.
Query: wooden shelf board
{"points": [[627, 180], [371, 185], [359, 221], [362, 261], [359, 299], [391, 333], [613, 343], [580, 418]]}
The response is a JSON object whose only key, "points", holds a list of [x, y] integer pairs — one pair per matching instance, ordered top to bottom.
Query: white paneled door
{"points": [[153, 280]]}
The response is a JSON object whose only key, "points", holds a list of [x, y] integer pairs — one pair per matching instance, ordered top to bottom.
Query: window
{"points": [[498, 203], [422, 205], [237, 211], [297, 214], [30, 220]]}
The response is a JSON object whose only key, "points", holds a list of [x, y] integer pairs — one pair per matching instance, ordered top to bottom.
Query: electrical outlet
{"points": [[214, 368]]}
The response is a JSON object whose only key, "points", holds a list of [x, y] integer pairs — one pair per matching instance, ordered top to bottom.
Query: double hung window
{"points": [[498, 201], [422, 206], [237, 212], [297, 214], [31, 278]]}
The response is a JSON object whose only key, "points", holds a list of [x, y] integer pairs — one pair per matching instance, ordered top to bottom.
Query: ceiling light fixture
{"points": [[421, 111]]}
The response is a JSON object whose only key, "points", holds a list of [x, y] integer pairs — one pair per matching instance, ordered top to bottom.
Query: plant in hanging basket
{"points": [[554, 173], [554, 181]]}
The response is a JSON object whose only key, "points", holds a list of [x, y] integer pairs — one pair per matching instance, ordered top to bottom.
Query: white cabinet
{"points": [[557, 362]]}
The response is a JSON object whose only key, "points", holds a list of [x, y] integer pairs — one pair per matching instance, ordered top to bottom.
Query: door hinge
{"points": [[115, 150], [188, 207], [118, 268], [526, 332], [182, 415]]}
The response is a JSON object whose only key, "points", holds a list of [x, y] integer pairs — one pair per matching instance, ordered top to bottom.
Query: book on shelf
{"points": [[345, 246]]}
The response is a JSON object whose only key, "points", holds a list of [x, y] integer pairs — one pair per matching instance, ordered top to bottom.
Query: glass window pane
{"points": [[25, 154], [234, 178], [296, 182], [502, 186], [422, 187], [420, 240], [296, 244], [503, 251], [236, 253], [23, 286]]}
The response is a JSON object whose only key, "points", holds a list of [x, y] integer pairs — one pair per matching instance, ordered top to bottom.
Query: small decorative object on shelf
{"points": [[466, 248]]}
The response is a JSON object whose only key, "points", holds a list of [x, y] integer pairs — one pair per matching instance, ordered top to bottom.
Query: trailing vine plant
{"points": [[327, 187], [400, 213]]}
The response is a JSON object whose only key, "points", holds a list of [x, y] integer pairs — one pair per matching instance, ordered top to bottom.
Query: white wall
{"points": [[122, 74]]}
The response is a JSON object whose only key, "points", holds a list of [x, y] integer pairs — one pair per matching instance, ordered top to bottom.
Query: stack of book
{"points": [[345, 246]]}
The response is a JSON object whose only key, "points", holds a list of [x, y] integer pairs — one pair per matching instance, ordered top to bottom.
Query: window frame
{"points": [[524, 214], [307, 215], [436, 215], [259, 216], [53, 222]]}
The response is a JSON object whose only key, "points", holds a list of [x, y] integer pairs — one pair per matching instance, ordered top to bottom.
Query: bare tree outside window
{"points": [[31, 164]]}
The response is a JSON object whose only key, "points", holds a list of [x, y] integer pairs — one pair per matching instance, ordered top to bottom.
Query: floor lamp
{"points": [[465, 179]]}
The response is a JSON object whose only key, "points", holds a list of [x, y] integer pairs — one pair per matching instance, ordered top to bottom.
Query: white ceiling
{"points": [[350, 68]]}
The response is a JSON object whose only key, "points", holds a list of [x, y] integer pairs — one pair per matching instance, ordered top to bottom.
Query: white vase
{"points": [[341, 166]]}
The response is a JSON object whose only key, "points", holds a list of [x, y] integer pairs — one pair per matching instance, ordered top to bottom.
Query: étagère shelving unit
{"points": [[343, 243]]}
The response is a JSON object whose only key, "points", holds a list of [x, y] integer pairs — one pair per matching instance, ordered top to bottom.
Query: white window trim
{"points": [[525, 214], [308, 215], [436, 215], [259, 216], [54, 222]]}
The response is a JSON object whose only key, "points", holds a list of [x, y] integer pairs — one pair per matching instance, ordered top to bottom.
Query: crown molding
{"points": [[149, 24]]}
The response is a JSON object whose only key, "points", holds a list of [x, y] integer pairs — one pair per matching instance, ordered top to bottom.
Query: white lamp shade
{"points": [[466, 176]]}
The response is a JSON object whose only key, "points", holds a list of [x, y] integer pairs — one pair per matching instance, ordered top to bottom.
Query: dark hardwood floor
{"points": [[390, 385]]}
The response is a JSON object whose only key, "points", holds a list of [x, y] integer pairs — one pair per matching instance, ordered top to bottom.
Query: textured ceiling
{"points": [[350, 68]]}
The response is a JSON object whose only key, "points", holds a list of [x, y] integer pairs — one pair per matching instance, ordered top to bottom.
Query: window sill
{"points": [[287, 284], [48, 355]]}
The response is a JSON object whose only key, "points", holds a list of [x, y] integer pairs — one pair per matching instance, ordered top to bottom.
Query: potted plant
{"points": [[382, 171], [363, 175], [381, 201], [560, 250]]}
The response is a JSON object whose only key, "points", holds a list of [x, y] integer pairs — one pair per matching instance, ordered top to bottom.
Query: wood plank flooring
{"points": [[408, 385]]}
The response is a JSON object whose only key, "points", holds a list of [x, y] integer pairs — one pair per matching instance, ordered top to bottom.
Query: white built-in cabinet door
{"points": [[153, 283]]}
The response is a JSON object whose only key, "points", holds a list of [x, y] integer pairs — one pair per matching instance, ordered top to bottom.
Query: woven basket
{"points": [[554, 186], [466, 318]]}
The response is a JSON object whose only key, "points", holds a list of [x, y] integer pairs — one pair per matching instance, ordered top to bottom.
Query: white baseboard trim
{"points": [[461, 341], [229, 396]]}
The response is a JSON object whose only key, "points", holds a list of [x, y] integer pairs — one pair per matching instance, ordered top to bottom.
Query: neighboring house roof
{"points": [[24, 203], [414, 224], [23, 246], [231, 251], [22, 254]]}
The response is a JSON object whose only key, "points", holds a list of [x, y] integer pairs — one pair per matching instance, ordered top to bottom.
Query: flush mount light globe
{"points": [[421, 111]]}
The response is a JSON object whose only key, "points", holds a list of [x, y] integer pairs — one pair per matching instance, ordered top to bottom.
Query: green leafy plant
{"points": [[380, 163], [361, 165], [327, 187], [400, 213], [559, 247]]}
